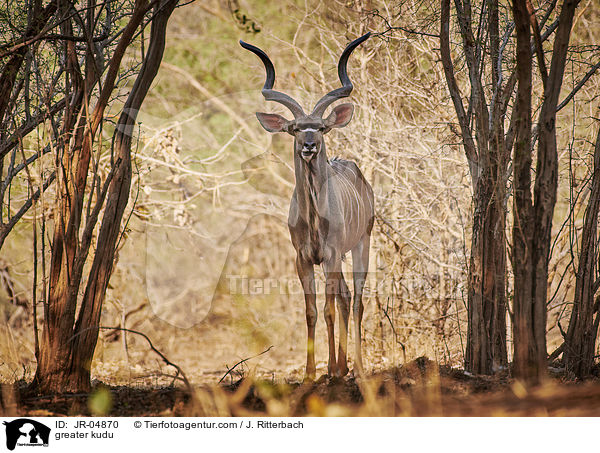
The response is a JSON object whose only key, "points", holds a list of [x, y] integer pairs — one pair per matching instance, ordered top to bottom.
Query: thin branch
{"points": [[389, 27], [49, 37], [539, 49], [582, 82], [29, 126], [469, 144], [15, 171], [14, 219], [385, 312], [558, 351], [160, 354], [229, 370]]}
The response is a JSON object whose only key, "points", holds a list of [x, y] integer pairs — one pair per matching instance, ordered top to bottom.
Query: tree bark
{"points": [[488, 159], [533, 221], [486, 339], [580, 343], [525, 352]]}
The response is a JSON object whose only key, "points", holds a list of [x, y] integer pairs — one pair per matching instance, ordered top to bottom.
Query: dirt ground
{"points": [[418, 389]]}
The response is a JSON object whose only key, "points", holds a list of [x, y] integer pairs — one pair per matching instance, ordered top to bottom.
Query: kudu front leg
{"points": [[360, 267], [333, 273], [307, 278], [329, 314]]}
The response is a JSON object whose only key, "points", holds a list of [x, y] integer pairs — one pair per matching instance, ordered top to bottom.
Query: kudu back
{"points": [[331, 211]]}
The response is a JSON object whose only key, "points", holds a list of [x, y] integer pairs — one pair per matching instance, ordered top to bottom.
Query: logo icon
{"points": [[26, 432]]}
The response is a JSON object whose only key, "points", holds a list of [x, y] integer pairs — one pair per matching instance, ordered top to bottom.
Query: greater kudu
{"points": [[331, 211]]}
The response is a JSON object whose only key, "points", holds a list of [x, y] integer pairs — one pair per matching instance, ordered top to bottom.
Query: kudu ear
{"points": [[339, 117], [273, 122]]}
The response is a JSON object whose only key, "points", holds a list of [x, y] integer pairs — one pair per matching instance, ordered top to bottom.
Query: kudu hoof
{"points": [[342, 371], [309, 379]]}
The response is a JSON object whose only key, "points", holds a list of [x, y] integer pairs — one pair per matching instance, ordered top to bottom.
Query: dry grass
{"points": [[206, 267], [418, 389]]}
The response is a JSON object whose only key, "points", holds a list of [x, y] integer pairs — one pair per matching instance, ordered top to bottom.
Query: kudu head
{"points": [[308, 130]]}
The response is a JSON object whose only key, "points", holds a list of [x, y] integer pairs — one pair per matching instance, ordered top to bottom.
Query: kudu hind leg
{"points": [[360, 267], [307, 278], [344, 315]]}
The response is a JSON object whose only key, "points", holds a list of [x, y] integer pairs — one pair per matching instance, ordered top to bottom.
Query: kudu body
{"points": [[331, 212]]}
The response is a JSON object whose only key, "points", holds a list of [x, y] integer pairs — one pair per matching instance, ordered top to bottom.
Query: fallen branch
{"points": [[162, 356], [229, 370]]}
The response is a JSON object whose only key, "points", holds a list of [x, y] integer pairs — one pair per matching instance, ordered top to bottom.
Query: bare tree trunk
{"points": [[488, 159], [533, 221], [486, 339], [580, 342], [67, 346], [525, 354], [54, 364]]}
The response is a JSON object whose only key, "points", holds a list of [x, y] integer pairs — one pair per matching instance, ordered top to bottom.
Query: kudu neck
{"points": [[311, 182]]}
